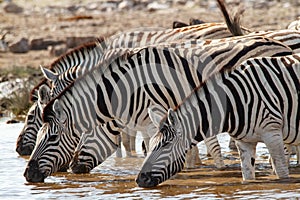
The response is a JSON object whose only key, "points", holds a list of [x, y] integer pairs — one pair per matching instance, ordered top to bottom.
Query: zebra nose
{"points": [[24, 150], [32, 172], [146, 180]]}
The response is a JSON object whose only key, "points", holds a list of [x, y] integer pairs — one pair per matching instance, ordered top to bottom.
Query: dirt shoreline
{"points": [[41, 24]]}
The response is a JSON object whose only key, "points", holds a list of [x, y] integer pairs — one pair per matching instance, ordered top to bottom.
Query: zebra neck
{"points": [[205, 112]]}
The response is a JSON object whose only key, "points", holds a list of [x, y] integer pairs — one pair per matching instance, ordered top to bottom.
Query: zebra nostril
{"points": [[146, 177], [146, 180]]}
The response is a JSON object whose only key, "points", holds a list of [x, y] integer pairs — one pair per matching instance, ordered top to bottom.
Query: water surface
{"points": [[115, 178]]}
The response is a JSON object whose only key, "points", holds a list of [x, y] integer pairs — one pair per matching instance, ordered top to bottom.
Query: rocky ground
{"points": [[34, 33]]}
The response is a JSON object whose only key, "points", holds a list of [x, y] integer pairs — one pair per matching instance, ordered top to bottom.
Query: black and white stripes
{"points": [[120, 93], [257, 102]]}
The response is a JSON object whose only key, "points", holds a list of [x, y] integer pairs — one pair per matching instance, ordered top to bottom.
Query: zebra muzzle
{"points": [[24, 150], [32, 172], [146, 180]]}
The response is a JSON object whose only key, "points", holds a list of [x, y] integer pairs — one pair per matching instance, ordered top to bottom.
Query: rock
{"points": [[124, 5], [108, 6], [157, 6], [11, 7], [72, 42], [42, 44], [3, 46], [19, 46], [57, 50], [12, 121]]}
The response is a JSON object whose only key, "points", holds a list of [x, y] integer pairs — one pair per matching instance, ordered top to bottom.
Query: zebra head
{"points": [[33, 122], [27, 137], [54, 145], [167, 151]]}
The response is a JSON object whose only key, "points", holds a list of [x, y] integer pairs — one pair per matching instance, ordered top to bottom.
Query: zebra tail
{"points": [[233, 25]]}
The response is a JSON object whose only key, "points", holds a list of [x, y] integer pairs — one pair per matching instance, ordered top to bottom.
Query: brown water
{"points": [[115, 178]]}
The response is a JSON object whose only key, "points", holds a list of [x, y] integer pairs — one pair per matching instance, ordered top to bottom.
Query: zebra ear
{"points": [[51, 76], [44, 94], [59, 112], [154, 116], [172, 117]]}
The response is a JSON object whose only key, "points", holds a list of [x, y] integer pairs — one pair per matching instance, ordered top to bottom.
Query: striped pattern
{"points": [[290, 38], [86, 57], [121, 92], [257, 102]]}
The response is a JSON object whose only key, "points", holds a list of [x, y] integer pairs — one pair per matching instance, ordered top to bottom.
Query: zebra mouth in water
{"points": [[33, 174], [147, 180]]}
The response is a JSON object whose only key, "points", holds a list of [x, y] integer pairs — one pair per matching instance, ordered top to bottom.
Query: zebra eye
{"points": [[53, 137], [165, 143]]}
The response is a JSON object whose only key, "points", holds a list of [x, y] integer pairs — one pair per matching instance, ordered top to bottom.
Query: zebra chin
{"points": [[33, 174], [147, 180]]}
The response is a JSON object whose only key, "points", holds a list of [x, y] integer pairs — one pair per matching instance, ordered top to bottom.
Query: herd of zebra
{"points": [[177, 87]]}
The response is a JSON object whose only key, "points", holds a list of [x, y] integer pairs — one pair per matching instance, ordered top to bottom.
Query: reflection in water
{"points": [[115, 178]]}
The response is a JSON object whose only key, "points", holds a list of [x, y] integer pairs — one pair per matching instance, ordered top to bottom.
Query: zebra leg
{"points": [[132, 138], [126, 142], [274, 143], [232, 145], [214, 148], [119, 149], [288, 151], [298, 153], [247, 155], [191, 157]]}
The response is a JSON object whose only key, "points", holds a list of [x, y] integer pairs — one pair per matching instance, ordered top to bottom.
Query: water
{"points": [[115, 178]]}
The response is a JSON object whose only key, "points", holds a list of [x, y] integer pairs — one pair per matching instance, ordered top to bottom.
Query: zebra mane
{"points": [[55, 66]]}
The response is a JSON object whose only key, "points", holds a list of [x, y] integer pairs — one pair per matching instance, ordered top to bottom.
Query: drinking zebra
{"points": [[87, 56], [117, 94], [256, 102]]}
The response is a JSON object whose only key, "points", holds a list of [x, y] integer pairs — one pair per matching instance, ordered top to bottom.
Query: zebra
{"points": [[289, 37], [85, 55], [88, 55], [60, 84], [117, 94], [256, 102]]}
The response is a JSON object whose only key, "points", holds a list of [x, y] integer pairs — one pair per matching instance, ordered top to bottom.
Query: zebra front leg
{"points": [[132, 138], [119, 142], [126, 142], [274, 143], [231, 144], [214, 148], [247, 153], [298, 153], [192, 158]]}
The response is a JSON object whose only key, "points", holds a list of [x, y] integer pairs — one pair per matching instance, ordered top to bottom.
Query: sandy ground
{"points": [[33, 23]]}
